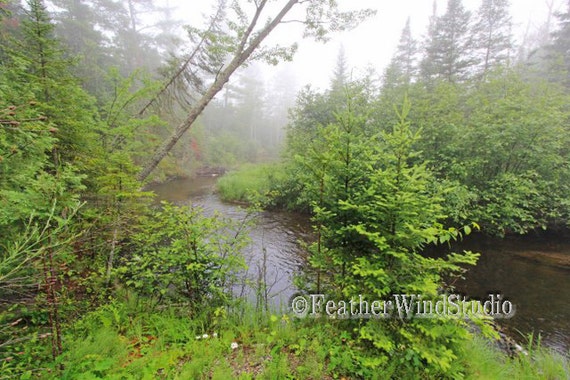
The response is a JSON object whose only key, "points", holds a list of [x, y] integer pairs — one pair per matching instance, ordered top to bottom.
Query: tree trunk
{"points": [[239, 58]]}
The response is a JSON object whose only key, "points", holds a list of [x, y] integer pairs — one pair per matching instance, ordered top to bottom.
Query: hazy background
{"points": [[374, 41], [247, 120]]}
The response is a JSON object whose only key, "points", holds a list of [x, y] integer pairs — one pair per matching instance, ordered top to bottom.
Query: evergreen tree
{"points": [[83, 27], [492, 31], [449, 46], [560, 48], [426, 65], [402, 67], [340, 75], [339, 79], [398, 79], [57, 92], [53, 124], [374, 212]]}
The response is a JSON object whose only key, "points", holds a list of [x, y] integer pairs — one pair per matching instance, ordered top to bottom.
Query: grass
{"points": [[251, 183], [119, 341], [170, 345], [484, 361]]}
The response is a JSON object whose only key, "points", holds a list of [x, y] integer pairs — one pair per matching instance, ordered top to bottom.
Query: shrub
{"points": [[178, 253]]}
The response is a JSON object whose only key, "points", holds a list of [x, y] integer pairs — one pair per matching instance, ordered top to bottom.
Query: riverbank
{"points": [[252, 184], [538, 291], [241, 344]]}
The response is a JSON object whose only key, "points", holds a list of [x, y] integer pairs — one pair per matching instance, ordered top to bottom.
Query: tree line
{"points": [[491, 126]]}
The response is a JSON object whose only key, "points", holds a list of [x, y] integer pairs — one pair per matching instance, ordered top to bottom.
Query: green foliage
{"points": [[58, 95], [485, 119], [46, 137], [489, 140], [45, 142], [54, 150], [512, 154], [24, 164], [254, 184], [375, 209], [178, 254], [32, 267], [128, 339], [484, 361]]}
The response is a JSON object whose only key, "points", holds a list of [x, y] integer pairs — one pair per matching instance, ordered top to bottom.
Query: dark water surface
{"points": [[275, 252], [540, 292]]}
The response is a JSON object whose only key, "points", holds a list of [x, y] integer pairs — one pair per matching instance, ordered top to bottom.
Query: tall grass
{"points": [[253, 184], [119, 342], [483, 360]]}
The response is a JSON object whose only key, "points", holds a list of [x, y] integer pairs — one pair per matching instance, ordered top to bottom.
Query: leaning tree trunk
{"points": [[241, 55]]}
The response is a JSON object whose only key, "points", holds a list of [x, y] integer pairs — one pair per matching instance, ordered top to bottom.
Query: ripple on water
{"points": [[540, 292]]}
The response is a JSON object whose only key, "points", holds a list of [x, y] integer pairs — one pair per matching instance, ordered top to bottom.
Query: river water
{"points": [[275, 254], [540, 292]]}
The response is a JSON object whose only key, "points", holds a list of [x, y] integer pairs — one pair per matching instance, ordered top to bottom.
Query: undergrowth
{"points": [[128, 339]]}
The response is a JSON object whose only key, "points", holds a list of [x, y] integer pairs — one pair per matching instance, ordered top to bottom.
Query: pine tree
{"points": [[492, 31], [449, 46], [560, 48], [402, 67], [427, 68], [340, 76], [59, 96]]}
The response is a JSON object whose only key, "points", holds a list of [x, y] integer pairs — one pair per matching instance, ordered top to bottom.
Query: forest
{"points": [[465, 134]]}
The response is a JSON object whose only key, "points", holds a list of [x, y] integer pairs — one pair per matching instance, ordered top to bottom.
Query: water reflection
{"points": [[274, 254], [540, 292]]}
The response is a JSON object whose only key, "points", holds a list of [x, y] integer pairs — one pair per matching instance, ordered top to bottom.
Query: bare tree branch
{"points": [[319, 13], [241, 55], [186, 62]]}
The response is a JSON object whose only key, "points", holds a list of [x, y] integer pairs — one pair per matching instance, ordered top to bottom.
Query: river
{"points": [[540, 292]]}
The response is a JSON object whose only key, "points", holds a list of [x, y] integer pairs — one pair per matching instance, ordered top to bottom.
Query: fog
{"points": [[372, 43], [247, 119]]}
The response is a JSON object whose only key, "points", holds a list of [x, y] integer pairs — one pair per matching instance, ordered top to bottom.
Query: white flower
{"points": [[215, 335], [205, 336], [198, 337], [234, 345]]}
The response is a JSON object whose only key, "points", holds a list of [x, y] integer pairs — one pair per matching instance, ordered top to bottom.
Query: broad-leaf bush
{"points": [[177, 253]]}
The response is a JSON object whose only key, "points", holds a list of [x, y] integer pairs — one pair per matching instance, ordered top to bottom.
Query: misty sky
{"points": [[373, 42]]}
